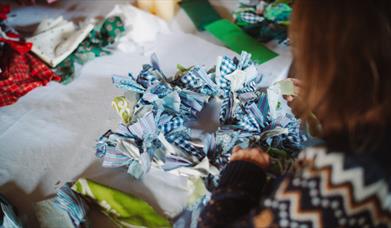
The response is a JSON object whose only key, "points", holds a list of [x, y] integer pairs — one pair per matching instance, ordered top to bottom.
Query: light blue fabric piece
{"points": [[127, 83], [192, 103], [118, 151], [173, 162], [73, 204], [50, 215], [189, 217], [9, 219]]}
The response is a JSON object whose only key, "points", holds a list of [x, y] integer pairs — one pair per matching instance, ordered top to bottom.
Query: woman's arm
{"points": [[239, 190]]}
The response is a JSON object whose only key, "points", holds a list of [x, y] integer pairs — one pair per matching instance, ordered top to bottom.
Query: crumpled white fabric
{"points": [[142, 28], [239, 77], [277, 104], [202, 169]]}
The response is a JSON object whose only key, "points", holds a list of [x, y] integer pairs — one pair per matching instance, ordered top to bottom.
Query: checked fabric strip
{"points": [[23, 73]]}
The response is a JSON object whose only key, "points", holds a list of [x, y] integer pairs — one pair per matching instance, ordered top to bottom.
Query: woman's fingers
{"points": [[297, 82], [297, 87], [288, 98], [236, 149], [255, 155], [264, 160]]}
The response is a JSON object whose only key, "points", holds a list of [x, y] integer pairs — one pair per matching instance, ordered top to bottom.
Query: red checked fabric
{"points": [[4, 10], [20, 75]]}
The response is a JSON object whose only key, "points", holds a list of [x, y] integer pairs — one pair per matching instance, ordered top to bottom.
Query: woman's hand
{"points": [[298, 86], [294, 102], [298, 109], [254, 155]]}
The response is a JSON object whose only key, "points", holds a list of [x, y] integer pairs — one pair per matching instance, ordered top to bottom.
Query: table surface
{"points": [[48, 137]]}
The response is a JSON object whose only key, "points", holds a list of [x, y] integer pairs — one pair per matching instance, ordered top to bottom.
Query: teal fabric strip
{"points": [[237, 40]]}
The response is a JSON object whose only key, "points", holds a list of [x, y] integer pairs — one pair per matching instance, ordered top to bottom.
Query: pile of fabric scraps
{"points": [[205, 17], [264, 19], [61, 43], [20, 71], [156, 110], [156, 113], [73, 203], [8, 218]]}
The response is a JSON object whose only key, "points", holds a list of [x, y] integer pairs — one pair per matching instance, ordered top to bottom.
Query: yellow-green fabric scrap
{"points": [[124, 209]]}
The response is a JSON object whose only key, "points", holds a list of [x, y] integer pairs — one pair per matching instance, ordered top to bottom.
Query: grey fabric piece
{"points": [[49, 215]]}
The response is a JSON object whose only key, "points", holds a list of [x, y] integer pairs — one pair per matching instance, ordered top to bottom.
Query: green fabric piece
{"points": [[243, 9], [201, 12], [279, 13], [103, 35], [237, 40], [181, 71], [287, 87], [123, 108], [280, 161], [125, 210]]}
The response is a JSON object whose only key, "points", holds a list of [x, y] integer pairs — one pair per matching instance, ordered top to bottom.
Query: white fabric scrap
{"points": [[141, 27], [56, 39], [239, 77], [278, 105], [202, 169]]}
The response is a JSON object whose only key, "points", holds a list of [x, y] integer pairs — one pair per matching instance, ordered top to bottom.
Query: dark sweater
{"points": [[328, 189]]}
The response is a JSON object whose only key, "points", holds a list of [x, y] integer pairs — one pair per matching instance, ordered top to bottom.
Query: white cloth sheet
{"points": [[48, 137]]}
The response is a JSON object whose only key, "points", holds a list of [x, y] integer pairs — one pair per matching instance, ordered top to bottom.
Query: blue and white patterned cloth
{"points": [[251, 18], [264, 20], [159, 134], [73, 204], [8, 218]]}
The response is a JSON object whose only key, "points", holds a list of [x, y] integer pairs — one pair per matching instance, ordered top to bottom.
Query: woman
{"points": [[342, 52]]}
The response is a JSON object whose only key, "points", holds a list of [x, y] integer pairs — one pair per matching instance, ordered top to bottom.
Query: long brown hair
{"points": [[342, 52]]}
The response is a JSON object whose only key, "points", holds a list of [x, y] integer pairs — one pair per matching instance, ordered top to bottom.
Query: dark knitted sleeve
{"points": [[238, 193]]}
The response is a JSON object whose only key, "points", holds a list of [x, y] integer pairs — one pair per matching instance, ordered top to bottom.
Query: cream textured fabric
{"points": [[56, 39]]}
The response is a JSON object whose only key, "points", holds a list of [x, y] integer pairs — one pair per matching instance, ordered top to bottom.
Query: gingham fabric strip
{"points": [[20, 74]]}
